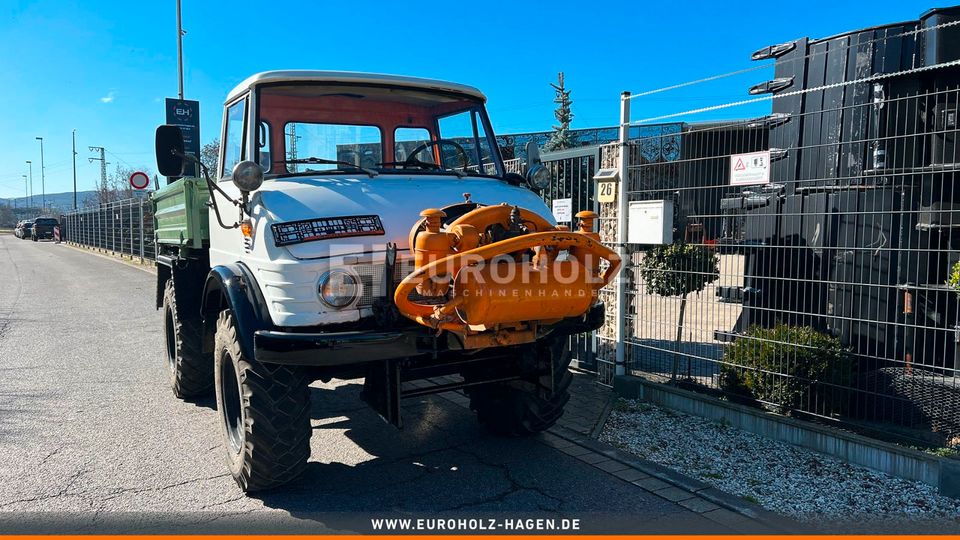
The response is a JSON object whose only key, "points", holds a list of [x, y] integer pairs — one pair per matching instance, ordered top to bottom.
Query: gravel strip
{"points": [[811, 487]]}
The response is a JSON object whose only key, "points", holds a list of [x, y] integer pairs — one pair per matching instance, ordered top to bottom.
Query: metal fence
{"points": [[123, 227], [819, 287]]}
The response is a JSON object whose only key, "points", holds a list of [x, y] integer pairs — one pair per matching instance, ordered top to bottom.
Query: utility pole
{"points": [[179, 51], [292, 145], [103, 163], [30, 164], [74, 169], [43, 180]]}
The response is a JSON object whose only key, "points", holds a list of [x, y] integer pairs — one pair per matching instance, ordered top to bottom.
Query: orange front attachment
{"points": [[537, 275], [492, 294]]}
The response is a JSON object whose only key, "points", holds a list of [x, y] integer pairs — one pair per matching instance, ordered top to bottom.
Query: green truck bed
{"points": [[180, 213]]}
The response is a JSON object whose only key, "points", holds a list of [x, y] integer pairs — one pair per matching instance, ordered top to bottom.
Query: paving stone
{"points": [[575, 450], [592, 458], [611, 466], [630, 474], [651, 484], [674, 494], [698, 505], [725, 517]]}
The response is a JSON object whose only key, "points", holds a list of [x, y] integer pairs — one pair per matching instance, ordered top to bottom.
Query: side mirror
{"points": [[169, 147], [538, 175]]}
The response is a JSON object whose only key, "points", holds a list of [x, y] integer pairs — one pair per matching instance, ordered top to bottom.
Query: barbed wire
{"points": [[804, 57], [871, 78]]}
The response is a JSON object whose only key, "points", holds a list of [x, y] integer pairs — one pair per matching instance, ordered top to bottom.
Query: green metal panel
{"points": [[180, 213]]}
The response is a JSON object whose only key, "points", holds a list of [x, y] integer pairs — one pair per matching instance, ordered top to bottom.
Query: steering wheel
{"points": [[464, 158]]}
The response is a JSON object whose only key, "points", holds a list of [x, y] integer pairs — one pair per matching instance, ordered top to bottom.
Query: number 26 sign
{"points": [[606, 185]]}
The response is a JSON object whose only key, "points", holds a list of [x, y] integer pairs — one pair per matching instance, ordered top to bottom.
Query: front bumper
{"points": [[331, 349]]}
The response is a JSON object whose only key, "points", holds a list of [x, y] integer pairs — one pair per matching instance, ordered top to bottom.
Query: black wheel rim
{"points": [[170, 334], [232, 413]]}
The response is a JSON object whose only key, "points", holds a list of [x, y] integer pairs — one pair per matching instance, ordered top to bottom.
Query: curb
{"points": [[113, 256]]}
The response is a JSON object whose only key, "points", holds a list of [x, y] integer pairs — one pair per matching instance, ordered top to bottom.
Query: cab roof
{"points": [[351, 77]]}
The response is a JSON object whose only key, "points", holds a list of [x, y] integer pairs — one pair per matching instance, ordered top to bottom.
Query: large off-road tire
{"points": [[190, 371], [521, 408], [264, 414]]}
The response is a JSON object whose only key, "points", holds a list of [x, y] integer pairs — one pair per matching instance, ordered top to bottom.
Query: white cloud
{"points": [[108, 98]]}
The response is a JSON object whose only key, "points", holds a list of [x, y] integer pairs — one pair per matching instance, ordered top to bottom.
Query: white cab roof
{"points": [[352, 77]]}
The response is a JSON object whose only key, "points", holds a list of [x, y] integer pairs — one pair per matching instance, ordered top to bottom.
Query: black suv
{"points": [[43, 228]]}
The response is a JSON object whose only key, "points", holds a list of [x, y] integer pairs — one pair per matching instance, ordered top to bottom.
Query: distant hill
{"points": [[60, 202]]}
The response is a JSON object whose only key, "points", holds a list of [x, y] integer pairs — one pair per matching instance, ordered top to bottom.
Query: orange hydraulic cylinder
{"points": [[515, 292]]}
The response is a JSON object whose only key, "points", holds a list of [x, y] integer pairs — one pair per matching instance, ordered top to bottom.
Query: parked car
{"points": [[43, 228], [18, 229], [26, 229]]}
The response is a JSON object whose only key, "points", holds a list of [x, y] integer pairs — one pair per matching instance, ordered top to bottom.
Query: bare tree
{"points": [[210, 156], [116, 186]]}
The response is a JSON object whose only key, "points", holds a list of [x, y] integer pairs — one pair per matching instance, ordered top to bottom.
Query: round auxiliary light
{"points": [[247, 175], [538, 176], [338, 288]]}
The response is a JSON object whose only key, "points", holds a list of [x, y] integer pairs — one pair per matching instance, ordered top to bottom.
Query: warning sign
{"points": [[750, 169], [563, 210]]}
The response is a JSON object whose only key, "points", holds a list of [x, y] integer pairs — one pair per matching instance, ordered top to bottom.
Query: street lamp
{"points": [[30, 164], [43, 180]]}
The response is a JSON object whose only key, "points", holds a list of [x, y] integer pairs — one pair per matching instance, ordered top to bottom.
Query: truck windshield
{"points": [[386, 129]]}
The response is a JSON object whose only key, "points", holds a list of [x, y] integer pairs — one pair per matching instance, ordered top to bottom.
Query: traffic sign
{"points": [[139, 180]]}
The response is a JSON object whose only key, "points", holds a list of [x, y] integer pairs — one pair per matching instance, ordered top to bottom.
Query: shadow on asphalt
{"points": [[442, 464]]}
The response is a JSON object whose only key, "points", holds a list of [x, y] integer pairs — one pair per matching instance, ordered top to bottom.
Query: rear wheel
{"points": [[191, 373], [526, 407], [264, 414]]}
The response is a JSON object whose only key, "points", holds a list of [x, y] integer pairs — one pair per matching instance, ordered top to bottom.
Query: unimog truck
{"points": [[364, 226]]}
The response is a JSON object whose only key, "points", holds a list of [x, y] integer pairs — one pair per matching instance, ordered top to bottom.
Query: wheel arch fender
{"points": [[232, 286]]}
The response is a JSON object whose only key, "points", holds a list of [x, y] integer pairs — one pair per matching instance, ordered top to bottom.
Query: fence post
{"points": [[622, 206], [141, 231]]}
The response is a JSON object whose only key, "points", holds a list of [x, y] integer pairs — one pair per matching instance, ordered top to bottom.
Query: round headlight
{"points": [[247, 176], [538, 176], [338, 289]]}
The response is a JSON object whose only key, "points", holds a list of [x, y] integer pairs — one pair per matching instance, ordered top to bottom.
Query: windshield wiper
{"points": [[320, 161], [422, 165]]}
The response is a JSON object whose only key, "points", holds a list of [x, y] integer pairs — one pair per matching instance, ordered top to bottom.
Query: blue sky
{"points": [[103, 68]]}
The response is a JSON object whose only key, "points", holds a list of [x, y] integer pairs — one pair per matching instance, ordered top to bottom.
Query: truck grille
{"points": [[373, 280]]}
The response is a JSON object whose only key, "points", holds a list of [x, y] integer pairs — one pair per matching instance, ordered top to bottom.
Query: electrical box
{"points": [[650, 222]]}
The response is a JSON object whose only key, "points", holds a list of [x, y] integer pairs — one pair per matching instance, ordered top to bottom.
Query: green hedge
{"points": [[954, 280], [785, 364]]}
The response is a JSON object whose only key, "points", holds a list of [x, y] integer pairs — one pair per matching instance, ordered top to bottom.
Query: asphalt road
{"points": [[92, 439]]}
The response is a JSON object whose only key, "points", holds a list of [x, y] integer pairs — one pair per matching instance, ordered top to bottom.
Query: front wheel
{"points": [[527, 407], [264, 414]]}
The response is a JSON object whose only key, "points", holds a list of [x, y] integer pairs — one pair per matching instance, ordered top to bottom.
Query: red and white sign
{"points": [[750, 169], [139, 180]]}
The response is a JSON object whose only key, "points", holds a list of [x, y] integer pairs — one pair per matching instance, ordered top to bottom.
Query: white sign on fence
{"points": [[750, 169], [563, 210]]}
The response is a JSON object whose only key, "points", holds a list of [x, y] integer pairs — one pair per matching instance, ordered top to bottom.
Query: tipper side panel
{"points": [[180, 213]]}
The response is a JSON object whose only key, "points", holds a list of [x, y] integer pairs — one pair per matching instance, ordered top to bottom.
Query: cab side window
{"points": [[233, 137]]}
